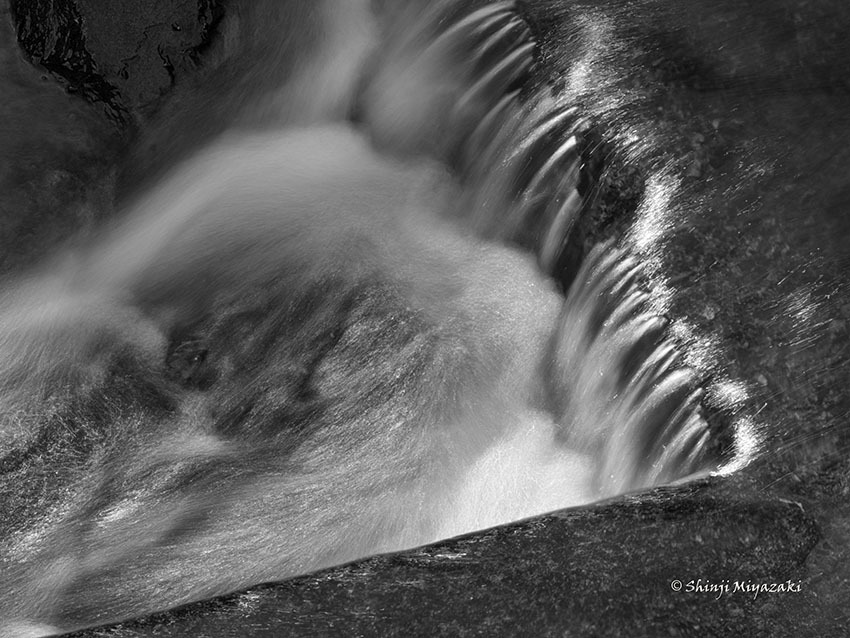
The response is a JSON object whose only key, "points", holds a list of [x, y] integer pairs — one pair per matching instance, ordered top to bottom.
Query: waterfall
{"points": [[319, 337]]}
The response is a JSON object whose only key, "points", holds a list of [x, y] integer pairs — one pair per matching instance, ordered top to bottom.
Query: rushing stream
{"points": [[316, 337]]}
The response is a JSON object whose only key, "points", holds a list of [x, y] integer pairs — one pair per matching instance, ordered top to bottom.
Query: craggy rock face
{"points": [[123, 56], [207, 387]]}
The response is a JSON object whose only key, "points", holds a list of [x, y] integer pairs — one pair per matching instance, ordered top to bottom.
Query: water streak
{"points": [[320, 340]]}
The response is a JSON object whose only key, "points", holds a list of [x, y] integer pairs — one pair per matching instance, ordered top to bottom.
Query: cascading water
{"points": [[309, 342]]}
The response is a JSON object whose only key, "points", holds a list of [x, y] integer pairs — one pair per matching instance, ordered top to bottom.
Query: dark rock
{"points": [[122, 55], [56, 159], [611, 569]]}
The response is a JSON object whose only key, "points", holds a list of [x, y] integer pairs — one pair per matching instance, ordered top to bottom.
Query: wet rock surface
{"points": [[122, 56], [752, 118], [57, 157], [609, 569]]}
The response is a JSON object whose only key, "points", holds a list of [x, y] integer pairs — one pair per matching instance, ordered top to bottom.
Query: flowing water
{"points": [[334, 326]]}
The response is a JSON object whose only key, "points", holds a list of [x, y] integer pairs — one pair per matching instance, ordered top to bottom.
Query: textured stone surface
{"points": [[122, 55], [57, 155], [602, 570]]}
